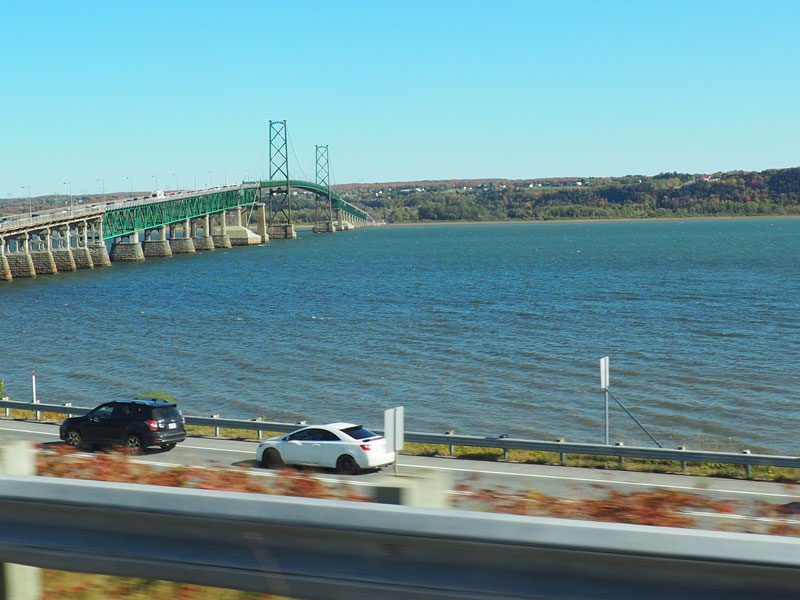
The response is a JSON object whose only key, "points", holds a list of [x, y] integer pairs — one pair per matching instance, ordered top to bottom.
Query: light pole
{"points": [[211, 175], [246, 175], [225, 177], [129, 178], [156, 178], [195, 180], [176, 181], [69, 183], [104, 188], [30, 204]]}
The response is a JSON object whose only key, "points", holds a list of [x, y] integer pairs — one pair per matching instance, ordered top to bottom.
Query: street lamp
{"points": [[211, 175], [225, 177], [129, 178], [156, 178], [176, 181], [69, 183], [104, 188], [30, 205]]}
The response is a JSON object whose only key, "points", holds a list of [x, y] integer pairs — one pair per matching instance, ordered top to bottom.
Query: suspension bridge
{"points": [[179, 222]]}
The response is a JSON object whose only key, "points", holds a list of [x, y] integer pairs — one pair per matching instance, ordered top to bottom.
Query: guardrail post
{"points": [[8, 410], [69, 415], [216, 428], [260, 433], [452, 448], [505, 450], [562, 455], [621, 458], [683, 462], [746, 467], [19, 582]]}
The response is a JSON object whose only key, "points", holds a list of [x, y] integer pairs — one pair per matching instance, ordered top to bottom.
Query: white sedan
{"points": [[346, 447]]}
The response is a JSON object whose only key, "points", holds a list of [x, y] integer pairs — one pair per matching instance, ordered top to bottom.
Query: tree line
{"points": [[735, 193]]}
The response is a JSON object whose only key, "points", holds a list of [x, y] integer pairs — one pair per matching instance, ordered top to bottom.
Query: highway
{"points": [[747, 497]]}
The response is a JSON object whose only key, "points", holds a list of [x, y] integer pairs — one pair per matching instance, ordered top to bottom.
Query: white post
{"points": [[604, 386], [35, 401], [394, 430]]}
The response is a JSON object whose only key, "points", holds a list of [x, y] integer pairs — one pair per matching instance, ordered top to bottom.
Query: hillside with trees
{"points": [[734, 193]]}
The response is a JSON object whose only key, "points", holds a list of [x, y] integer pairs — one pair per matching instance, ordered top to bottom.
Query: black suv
{"points": [[134, 424]]}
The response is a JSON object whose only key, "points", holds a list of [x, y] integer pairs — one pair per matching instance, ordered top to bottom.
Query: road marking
{"points": [[27, 431], [217, 449], [606, 481]]}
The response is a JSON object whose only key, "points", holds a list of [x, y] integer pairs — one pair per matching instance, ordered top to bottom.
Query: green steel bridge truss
{"points": [[124, 220]]}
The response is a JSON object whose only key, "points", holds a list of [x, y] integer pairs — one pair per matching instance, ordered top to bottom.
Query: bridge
{"points": [[163, 224]]}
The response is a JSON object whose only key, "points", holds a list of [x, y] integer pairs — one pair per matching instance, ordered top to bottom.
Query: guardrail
{"points": [[499, 441], [336, 550]]}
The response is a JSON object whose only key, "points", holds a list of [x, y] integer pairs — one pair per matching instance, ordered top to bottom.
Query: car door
{"points": [[95, 430], [303, 447], [332, 448]]}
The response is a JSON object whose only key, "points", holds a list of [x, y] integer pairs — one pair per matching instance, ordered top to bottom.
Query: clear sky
{"points": [[399, 90]]}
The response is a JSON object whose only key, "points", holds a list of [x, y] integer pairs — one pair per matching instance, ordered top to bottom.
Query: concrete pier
{"points": [[324, 227], [282, 232], [240, 235], [221, 241], [203, 242], [182, 245], [156, 248], [127, 252], [99, 254], [83, 258], [64, 260], [43, 262], [21, 264], [5, 270]]}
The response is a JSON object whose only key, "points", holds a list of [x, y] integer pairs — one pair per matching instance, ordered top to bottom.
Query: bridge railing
{"points": [[497, 441], [336, 550]]}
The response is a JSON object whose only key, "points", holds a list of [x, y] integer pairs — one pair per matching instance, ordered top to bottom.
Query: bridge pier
{"points": [[261, 222], [324, 227], [284, 231], [238, 233], [221, 240], [205, 241], [181, 245], [157, 247], [62, 251], [130, 251], [98, 253], [41, 254], [19, 259], [5, 270]]}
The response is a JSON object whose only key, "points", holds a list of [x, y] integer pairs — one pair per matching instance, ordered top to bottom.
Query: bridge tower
{"points": [[280, 204], [323, 216]]}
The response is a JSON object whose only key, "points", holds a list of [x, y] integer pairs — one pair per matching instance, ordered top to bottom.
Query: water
{"points": [[485, 329]]}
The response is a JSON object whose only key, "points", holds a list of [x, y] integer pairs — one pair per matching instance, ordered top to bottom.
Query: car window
{"points": [[121, 411], [103, 412], [166, 412], [357, 432], [299, 436], [328, 436]]}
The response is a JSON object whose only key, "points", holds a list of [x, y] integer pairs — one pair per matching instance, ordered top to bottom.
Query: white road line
{"points": [[28, 431], [218, 449], [608, 481]]}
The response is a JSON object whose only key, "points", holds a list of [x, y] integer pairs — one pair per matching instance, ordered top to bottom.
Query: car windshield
{"points": [[166, 412], [359, 433]]}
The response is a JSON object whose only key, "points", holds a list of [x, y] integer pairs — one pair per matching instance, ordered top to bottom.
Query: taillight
{"points": [[153, 425], [366, 447]]}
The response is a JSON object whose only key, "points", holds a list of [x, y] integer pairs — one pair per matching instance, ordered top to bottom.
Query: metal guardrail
{"points": [[502, 442], [336, 550]]}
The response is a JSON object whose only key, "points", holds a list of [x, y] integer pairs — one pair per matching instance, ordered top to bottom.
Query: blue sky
{"points": [[399, 90]]}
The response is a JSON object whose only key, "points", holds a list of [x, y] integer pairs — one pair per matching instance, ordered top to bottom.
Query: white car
{"points": [[346, 447]]}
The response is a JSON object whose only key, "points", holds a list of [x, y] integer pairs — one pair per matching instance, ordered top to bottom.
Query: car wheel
{"points": [[75, 439], [133, 443], [168, 446], [271, 459], [347, 465]]}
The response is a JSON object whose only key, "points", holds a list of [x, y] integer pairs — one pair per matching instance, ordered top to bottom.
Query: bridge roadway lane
{"points": [[563, 482]]}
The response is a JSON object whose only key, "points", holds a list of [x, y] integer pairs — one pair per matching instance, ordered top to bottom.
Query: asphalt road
{"points": [[562, 482]]}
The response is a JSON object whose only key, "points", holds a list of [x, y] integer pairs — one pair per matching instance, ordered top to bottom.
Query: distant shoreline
{"points": [[550, 221]]}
